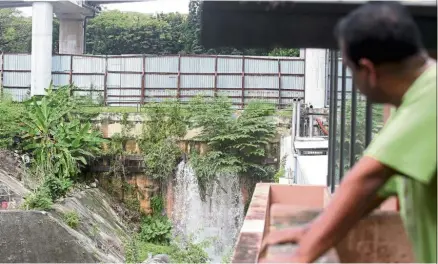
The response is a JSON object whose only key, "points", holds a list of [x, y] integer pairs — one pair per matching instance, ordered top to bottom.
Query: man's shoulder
{"points": [[423, 90]]}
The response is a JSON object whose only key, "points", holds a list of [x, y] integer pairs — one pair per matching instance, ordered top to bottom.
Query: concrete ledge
{"points": [[255, 225], [378, 238]]}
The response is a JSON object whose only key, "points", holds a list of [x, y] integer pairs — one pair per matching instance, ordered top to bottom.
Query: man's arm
{"points": [[349, 204]]}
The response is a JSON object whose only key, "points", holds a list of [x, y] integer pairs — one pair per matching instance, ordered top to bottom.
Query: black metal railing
{"points": [[351, 125]]}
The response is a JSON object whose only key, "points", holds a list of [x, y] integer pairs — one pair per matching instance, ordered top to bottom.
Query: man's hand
{"points": [[281, 236]]}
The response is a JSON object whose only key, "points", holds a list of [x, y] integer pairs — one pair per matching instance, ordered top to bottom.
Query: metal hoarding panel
{"points": [[20, 62], [61, 63], [86, 64], [129, 64], [162, 64], [197, 64], [229, 65], [261, 66], [292, 66], [17, 79], [60, 79], [123, 80], [161, 81], [197, 81], [229, 81], [89, 82], [261, 82], [292, 82], [124, 92], [160, 92], [197, 93], [229, 93], [261, 93], [17, 94], [294, 94], [157, 100], [265, 100]]}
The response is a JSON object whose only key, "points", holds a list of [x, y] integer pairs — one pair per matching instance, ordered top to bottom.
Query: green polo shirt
{"points": [[407, 143]]}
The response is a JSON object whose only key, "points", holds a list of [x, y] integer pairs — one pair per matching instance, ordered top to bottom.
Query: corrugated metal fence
{"points": [[139, 79]]}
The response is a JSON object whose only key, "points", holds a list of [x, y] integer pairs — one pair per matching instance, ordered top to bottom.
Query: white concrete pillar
{"points": [[42, 28], [71, 36], [315, 79], [298, 120], [310, 125]]}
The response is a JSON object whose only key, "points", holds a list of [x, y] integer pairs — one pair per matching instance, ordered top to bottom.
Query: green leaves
{"points": [[10, 113], [166, 123], [59, 142], [237, 142], [156, 229]]}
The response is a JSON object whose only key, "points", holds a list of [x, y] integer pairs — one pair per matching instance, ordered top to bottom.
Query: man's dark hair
{"points": [[383, 32]]}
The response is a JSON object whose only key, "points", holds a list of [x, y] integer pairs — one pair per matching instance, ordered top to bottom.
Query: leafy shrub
{"points": [[10, 112], [166, 122], [59, 142], [237, 144], [57, 187], [38, 200], [157, 204], [71, 219], [156, 229], [137, 251]]}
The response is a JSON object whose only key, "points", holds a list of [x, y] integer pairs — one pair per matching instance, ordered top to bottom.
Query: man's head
{"points": [[376, 35]]}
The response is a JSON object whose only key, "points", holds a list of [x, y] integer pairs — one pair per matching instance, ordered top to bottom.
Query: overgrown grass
{"points": [[71, 219], [137, 251]]}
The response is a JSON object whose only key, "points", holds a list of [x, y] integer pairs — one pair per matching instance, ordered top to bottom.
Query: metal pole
{"points": [[335, 109], [294, 111], [298, 117], [368, 123], [353, 125], [341, 143], [330, 145]]}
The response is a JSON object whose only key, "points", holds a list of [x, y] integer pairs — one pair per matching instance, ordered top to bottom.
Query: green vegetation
{"points": [[16, 32], [115, 33], [10, 112], [165, 124], [377, 124], [56, 131], [58, 142], [235, 144], [38, 200], [71, 219], [156, 229], [137, 251]]}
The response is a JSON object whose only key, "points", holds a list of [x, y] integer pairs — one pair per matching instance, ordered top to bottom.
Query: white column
{"points": [[42, 28], [71, 36], [315, 77], [298, 120], [310, 125]]}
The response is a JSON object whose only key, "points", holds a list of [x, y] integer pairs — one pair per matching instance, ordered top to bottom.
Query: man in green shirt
{"points": [[382, 46]]}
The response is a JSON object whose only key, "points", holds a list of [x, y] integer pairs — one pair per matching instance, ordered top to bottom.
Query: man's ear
{"points": [[369, 67]]}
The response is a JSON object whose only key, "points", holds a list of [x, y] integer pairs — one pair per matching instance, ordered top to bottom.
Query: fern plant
{"points": [[237, 143]]}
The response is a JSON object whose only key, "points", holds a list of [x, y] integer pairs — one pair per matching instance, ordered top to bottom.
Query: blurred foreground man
{"points": [[382, 47]]}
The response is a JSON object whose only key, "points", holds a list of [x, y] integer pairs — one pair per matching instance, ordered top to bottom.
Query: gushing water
{"points": [[217, 219]]}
